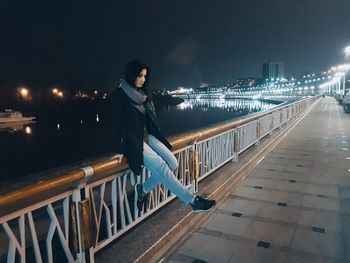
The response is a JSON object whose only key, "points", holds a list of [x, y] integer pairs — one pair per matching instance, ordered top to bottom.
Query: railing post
{"points": [[281, 118], [271, 124], [258, 132], [236, 146], [194, 167], [81, 218], [76, 227]]}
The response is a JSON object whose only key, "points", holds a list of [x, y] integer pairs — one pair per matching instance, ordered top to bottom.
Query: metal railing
{"points": [[76, 214]]}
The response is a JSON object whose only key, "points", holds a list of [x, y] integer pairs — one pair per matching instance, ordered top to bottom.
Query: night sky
{"points": [[184, 42]]}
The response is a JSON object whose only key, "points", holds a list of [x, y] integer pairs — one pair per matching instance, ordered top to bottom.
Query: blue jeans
{"points": [[161, 162]]}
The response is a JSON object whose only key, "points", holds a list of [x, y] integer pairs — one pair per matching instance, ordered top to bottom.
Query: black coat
{"points": [[128, 128]]}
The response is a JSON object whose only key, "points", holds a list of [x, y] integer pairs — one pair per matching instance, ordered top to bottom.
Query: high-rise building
{"points": [[273, 70]]}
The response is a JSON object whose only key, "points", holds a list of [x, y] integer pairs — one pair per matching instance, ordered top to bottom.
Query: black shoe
{"points": [[140, 196], [202, 205]]}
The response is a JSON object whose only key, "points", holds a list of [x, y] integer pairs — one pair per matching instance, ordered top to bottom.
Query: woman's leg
{"points": [[163, 151], [165, 154], [161, 173]]}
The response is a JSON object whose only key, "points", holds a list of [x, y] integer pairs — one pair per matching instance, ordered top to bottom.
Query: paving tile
{"points": [[291, 156], [288, 161], [326, 164], [267, 166], [324, 171], [283, 175], [327, 180], [260, 181], [291, 186], [329, 190], [254, 193], [289, 198], [321, 203], [241, 206], [288, 214], [325, 220], [229, 224], [273, 233], [329, 244], [209, 248], [253, 254]]}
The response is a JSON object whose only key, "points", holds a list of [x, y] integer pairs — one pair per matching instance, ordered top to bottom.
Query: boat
{"points": [[10, 116]]}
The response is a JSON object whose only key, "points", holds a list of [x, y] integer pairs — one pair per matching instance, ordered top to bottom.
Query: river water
{"points": [[52, 141]]}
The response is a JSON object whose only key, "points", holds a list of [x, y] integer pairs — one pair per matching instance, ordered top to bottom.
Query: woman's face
{"points": [[141, 78]]}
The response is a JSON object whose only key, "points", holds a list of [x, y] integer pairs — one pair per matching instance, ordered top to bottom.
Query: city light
{"points": [[347, 51], [344, 67], [339, 74], [56, 92], [24, 93]]}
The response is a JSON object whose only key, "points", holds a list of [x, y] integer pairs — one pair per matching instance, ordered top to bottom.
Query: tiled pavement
{"points": [[295, 207]]}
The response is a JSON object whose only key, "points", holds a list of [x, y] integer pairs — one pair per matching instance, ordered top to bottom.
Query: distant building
{"points": [[273, 70]]}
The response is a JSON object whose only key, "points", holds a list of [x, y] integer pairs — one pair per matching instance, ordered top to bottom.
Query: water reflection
{"points": [[229, 105], [198, 113], [17, 127], [28, 130]]}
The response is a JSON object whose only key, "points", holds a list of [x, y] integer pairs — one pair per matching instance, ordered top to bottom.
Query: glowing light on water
{"points": [[185, 105], [234, 105], [97, 118], [58, 126], [28, 130]]}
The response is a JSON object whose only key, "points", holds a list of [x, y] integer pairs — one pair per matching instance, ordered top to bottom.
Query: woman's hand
{"points": [[118, 158]]}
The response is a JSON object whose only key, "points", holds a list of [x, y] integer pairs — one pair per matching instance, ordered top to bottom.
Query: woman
{"points": [[138, 138]]}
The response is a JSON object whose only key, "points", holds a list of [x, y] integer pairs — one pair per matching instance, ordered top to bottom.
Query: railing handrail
{"points": [[108, 165]]}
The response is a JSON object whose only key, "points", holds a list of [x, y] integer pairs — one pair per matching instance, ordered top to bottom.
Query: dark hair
{"points": [[131, 72]]}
